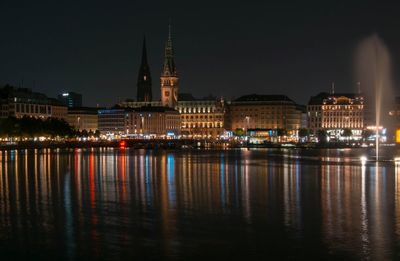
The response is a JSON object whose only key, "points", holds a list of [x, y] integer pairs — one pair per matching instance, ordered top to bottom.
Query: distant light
{"points": [[65, 94], [398, 136], [363, 159]]}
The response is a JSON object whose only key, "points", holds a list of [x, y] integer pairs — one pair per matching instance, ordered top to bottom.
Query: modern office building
{"points": [[70, 99], [83, 118], [113, 121], [146, 121], [155, 122]]}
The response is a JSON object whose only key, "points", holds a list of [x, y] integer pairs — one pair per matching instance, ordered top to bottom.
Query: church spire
{"points": [[169, 31], [144, 52], [169, 68], [169, 76], [144, 92]]}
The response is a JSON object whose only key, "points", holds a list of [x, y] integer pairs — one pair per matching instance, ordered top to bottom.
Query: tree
{"points": [[33, 127], [238, 132], [281, 132], [84, 133], [304, 133], [347, 133], [366, 134], [322, 136]]}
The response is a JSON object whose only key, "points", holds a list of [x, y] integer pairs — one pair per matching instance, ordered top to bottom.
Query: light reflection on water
{"points": [[110, 204]]}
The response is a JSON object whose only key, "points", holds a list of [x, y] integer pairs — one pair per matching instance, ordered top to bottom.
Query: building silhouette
{"points": [[144, 92], [70, 99]]}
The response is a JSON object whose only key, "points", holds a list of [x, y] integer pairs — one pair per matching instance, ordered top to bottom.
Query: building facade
{"points": [[70, 99], [20, 102], [264, 112], [336, 112], [83, 118], [198, 118], [202, 118], [113, 121], [146, 121], [154, 122]]}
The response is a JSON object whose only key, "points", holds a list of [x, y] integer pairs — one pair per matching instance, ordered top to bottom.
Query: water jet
{"points": [[373, 70]]}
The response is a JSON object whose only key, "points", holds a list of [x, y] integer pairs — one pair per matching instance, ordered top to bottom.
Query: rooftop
{"points": [[320, 97], [258, 98]]}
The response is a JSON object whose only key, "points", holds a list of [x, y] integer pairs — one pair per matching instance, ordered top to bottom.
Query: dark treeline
{"points": [[33, 127]]}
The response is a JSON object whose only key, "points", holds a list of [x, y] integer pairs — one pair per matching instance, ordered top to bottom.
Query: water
{"points": [[374, 70], [116, 204]]}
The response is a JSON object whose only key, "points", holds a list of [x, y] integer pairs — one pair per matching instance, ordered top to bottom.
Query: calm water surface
{"points": [[116, 204]]}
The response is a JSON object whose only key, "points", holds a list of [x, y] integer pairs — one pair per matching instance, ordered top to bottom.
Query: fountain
{"points": [[373, 70]]}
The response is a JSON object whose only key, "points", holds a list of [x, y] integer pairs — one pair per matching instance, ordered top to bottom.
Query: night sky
{"points": [[224, 48]]}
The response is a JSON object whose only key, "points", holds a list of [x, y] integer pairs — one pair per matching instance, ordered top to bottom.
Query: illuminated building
{"points": [[169, 76], [144, 92], [70, 99], [20, 102], [136, 104], [56, 110], [265, 112], [336, 112], [83, 118], [199, 118], [202, 118], [303, 118], [394, 119], [113, 121], [146, 121], [157, 122], [259, 136]]}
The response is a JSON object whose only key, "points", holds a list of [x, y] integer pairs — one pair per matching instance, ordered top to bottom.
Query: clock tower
{"points": [[169, 76]]}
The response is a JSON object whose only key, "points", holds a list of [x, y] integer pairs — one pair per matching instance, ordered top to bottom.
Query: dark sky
{"points": [[227, 48]]}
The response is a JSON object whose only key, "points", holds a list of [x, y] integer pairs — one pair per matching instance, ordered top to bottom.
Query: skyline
{"points": [[228, 50]]}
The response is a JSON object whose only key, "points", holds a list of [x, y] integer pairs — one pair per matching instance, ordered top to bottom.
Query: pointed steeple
{"points": [[144, 52], [169, 68], [169, 76], [144, 92]]}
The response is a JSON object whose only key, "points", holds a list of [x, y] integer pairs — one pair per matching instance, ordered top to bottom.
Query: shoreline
{"points": [[171, 144]]}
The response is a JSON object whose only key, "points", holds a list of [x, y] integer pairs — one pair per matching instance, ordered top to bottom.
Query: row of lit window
{"points": [[342, 107], [32, 108], [196, 109], [342, 114], [201, 117], [342, 120], [203, 125]]}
